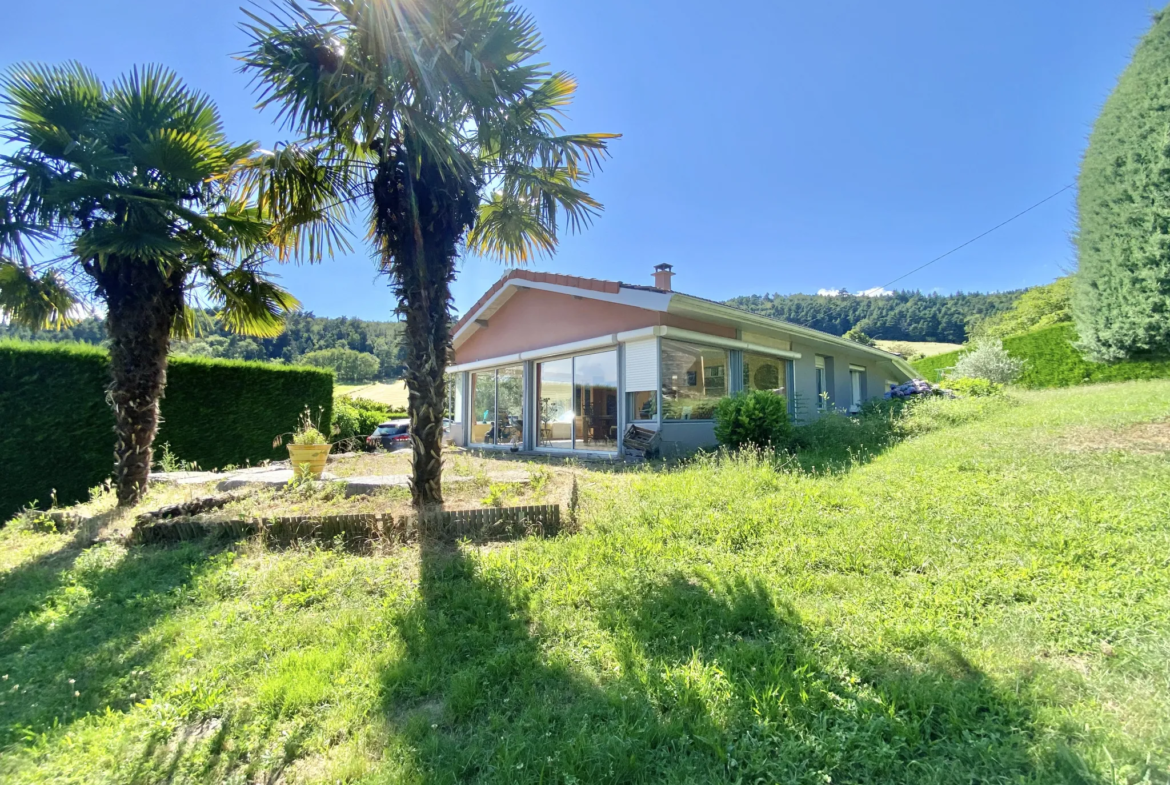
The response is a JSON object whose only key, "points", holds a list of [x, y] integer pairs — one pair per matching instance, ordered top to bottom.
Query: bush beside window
{"points": [[753, 419]]}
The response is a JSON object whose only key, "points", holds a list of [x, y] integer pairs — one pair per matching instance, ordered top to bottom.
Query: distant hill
{"points": [[900, 316], [303, 333]]}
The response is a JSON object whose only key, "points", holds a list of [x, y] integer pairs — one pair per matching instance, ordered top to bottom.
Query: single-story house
{"points": [[563, 364]]}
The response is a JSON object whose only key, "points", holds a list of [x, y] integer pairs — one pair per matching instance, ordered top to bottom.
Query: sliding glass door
{"points": [[595, 398], [577, 399], [554, 400], [497, 410]]}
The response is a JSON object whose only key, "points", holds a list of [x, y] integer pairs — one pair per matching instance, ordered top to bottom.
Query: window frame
{"points": [[822, 380], [662, 399], [495, 419], [573, 449]]}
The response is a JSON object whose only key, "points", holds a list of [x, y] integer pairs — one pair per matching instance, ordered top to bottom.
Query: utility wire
{"points": [[973, 239]]}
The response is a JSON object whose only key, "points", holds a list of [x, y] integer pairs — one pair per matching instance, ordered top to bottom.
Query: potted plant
{"points": [[308, 449]]}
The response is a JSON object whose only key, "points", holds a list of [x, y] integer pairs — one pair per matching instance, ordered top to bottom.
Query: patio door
{"points": [[577, 403]]}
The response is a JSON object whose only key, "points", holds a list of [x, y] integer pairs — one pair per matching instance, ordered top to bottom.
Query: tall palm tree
{"points": [[450, 133], [132, 198]]}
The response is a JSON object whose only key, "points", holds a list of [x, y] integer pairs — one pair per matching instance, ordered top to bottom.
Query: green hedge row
{"points": [[1053, 361], [57, 431]]}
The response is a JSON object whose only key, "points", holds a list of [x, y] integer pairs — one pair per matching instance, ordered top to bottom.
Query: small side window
{"points": [[822, 384]]}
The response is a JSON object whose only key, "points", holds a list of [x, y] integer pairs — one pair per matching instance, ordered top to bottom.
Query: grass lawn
{"points": [[918, 348], [393, 394], [989, 602]]}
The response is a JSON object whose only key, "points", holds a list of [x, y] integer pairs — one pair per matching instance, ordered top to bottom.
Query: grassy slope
{"points": [[923, 348], [1050, 360], [980, 604]]}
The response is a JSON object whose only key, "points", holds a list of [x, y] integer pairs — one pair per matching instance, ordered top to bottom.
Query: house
{"points": [[556, 363]]}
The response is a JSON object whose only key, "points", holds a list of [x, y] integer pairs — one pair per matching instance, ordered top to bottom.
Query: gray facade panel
{"points": [[682, 438]]}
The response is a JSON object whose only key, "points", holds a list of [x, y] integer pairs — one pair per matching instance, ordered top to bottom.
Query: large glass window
{"points": [[761, 372], [694, 378], [595, 383], [554, 397], [578, 402], [510, 405], [483, 407], [497, 411]]}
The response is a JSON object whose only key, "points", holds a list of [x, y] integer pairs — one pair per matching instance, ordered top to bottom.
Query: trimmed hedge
{"points": [[1052, 361], [58, 432]]}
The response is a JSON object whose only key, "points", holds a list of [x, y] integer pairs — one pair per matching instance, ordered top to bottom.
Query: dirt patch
{"points": [[1147, 438]]}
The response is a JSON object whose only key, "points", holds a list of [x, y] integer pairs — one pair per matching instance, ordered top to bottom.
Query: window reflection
{"points": [[761, 372], [694, 378], [554, 395], [595, 397], [578, 402], [510, 405], [483, 407]]}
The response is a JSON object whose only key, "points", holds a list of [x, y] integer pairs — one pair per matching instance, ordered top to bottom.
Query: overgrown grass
{"points": [[838, 442], [980, 603]]}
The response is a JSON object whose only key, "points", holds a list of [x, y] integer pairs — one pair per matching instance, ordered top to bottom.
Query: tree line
{"points": [[901, 316], [358, 350]]}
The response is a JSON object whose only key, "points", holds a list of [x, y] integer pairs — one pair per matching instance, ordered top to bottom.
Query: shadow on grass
{"points": [[72, 621], [713, 682]]}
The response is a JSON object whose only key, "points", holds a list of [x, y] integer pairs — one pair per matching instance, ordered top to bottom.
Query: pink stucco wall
{"points": [[534, 319]]}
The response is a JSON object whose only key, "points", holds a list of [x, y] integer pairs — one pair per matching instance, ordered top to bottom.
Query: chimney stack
{"points": [[662, 275]]}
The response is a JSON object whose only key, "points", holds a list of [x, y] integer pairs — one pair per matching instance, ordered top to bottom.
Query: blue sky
{"points": [[773, 146]]}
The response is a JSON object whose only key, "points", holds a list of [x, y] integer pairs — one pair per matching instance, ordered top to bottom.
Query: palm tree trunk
{"points": [[421, 215], [142, 305], [427, 337]]}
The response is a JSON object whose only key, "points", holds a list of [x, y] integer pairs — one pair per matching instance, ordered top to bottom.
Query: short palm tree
{"points": [[450, 132], [133, 199]]}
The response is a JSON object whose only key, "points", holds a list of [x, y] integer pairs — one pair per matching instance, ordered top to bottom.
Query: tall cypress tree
{"points": [[1121, 297]]}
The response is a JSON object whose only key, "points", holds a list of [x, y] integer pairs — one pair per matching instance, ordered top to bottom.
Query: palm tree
{"points": [[450, 133], [142, 207]]}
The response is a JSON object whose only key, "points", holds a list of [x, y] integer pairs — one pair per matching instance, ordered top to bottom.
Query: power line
{"points": [[973, 239]]}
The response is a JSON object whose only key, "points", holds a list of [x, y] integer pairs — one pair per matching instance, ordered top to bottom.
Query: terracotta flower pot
{"points": [[312, 456]]}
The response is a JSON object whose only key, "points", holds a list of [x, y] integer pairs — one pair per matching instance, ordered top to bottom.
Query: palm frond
{"points": [[299, 66], [152, 99], [53, 108], [182, 156], [552, 192], [305, 194], [511, 230], [17, 232], [148, 244], [36, 302], [250, 303]]}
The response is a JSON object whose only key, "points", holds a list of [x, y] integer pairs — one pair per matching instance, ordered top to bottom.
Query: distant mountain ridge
{"points": [[894, 316]]}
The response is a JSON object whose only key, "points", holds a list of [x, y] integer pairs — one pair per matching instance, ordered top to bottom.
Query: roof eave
{"points": [[696, 307]]}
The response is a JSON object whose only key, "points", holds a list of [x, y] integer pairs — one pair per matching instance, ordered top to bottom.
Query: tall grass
{"points": [[978, 603]]}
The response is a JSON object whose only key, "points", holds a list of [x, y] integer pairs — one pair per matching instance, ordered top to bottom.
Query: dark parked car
{"points": [[390, 435]]}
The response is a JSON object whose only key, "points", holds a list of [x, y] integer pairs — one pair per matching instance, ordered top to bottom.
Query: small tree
{"points": [[857, 336], [988, 360], [349, 365], [758, 419]]}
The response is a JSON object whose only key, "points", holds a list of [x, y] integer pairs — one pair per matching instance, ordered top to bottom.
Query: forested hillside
{"points": [[901, 316], [303, 333]]}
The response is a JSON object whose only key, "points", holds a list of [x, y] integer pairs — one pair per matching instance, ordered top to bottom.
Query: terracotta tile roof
{"points": [[593, 284]]}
